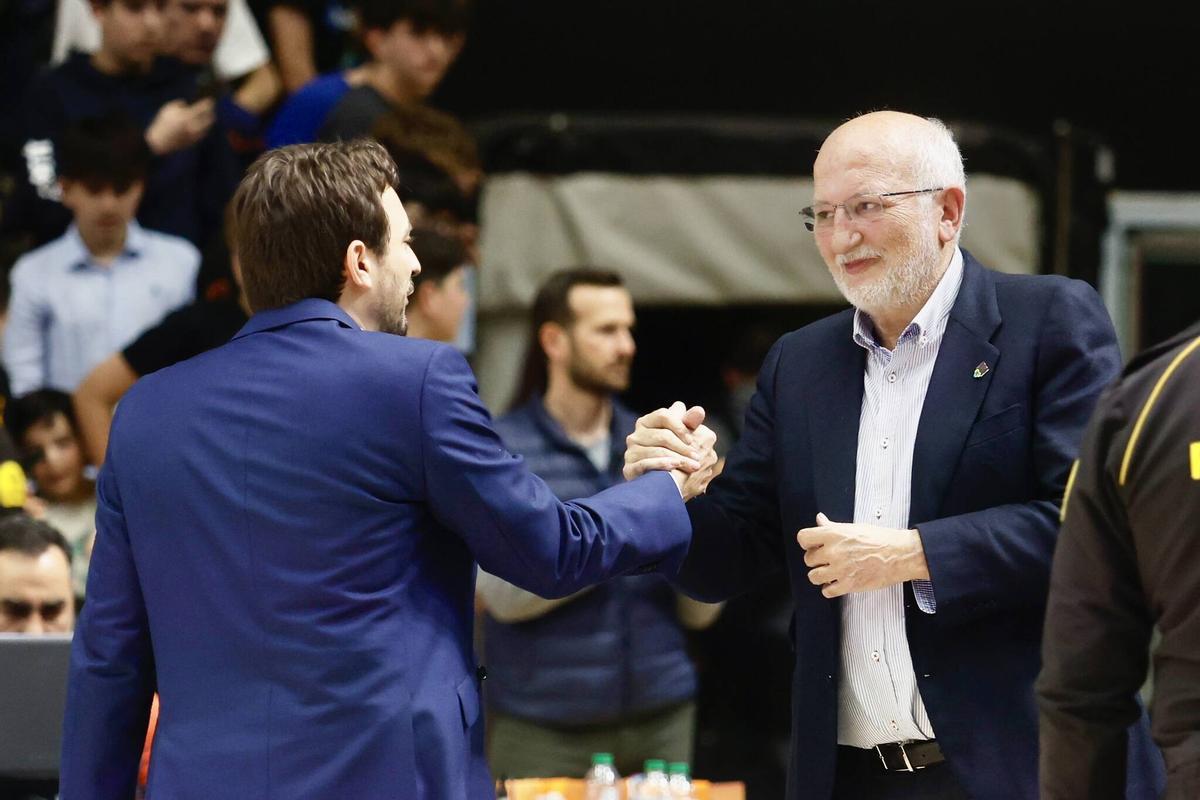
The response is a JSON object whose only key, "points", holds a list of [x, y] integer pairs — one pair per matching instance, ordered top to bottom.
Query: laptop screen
{"points": [[33, 695]]}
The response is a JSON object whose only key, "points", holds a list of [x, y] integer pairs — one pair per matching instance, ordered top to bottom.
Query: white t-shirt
{"points": [[241, 49]]}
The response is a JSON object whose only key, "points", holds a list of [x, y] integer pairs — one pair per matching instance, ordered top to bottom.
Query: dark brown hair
{"points": [[448, 17], [103, 152], [298, 209], [439, 254], [552, 304], [21, 533]]}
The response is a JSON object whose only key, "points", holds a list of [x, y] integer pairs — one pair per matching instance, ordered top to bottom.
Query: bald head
{"points": [[894, 148], [888, 201]]}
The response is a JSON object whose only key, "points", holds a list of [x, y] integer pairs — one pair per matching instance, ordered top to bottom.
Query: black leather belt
{"points": [[900, 756], [909, 756]]}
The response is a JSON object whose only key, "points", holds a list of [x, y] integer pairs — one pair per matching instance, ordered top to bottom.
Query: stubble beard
{"points": [[910, 281], [598, 381]]}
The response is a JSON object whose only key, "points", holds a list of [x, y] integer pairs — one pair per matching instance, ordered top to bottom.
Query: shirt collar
{"points": [[81, 257], [930, 322]]}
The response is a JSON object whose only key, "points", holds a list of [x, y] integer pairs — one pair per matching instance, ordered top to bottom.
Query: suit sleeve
{"points": [[514, 525], [736, 525], [1000, 557], [1096, 641], [112, 675]]}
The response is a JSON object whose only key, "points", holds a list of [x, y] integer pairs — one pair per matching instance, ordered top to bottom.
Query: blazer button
{"points": [[481, 673]]}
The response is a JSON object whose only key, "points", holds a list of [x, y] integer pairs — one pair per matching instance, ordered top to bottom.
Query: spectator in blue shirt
{"points": [[411, 44], [94, 289]]}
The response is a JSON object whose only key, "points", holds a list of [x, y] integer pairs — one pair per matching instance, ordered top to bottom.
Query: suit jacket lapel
{"points": [[954, 396], [834, 411]]}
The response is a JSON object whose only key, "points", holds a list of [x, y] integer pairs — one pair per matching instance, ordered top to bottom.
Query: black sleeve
{"points": [[33, 208], [167, 342], [1097, 635]]}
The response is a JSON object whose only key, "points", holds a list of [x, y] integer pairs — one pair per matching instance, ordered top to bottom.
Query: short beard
{"points": [[907, 283], [390, 312], [594, 381]]}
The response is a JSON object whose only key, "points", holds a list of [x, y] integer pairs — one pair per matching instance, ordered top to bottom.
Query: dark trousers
{"points": [[522, 749], [860, 776]]}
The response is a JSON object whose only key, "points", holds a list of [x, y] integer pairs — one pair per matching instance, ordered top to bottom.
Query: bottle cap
{"points": [[602, 758], [655, 765], [678, 768]]}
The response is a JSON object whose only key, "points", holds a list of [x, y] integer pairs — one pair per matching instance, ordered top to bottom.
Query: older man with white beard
{"points": [[906, 459]]}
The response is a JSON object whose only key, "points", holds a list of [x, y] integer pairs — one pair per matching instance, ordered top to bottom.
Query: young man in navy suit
{"points": [[906, 459], [288, 526]]}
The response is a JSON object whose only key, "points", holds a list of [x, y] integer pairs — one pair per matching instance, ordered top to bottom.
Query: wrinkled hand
{"points": [[178, 125], [673, 439], [844, 557]]}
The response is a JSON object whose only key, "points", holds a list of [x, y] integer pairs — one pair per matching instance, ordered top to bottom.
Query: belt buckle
{"points": [[908, 767]]}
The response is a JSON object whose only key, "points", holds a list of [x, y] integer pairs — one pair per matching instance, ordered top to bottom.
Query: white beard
{"points": [[910, 280]]}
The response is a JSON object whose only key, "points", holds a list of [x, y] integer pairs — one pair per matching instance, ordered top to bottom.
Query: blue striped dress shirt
{"points": [[878, 698]]}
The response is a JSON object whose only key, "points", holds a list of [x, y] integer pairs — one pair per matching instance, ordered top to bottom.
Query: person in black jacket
{"points": [[194, 171], [1127, 561]]}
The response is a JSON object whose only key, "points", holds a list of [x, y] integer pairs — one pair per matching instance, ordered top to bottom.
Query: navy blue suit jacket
{"points": [[990, 464], [288, 530]]}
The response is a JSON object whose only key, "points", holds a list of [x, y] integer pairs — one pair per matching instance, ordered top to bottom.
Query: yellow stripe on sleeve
{"points": [[1141, 420], [1062, 514]]}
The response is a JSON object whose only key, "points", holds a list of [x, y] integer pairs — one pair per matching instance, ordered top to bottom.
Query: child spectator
{"points": [[411, 44], [194, 170], [94, 289], [441, 294], [42, 425]]}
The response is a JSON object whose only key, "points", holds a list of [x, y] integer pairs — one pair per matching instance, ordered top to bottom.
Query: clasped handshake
{"points": [[842, 557]]}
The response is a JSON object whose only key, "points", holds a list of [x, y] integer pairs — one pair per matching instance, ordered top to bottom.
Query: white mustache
{"points": [[857, 255]]}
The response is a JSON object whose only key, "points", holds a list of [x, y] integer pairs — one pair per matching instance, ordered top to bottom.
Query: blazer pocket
{"points": [[997, 425], [468, 701]]}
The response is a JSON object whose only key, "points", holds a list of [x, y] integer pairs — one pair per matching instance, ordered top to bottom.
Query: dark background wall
{"points": [[1126, 71]]}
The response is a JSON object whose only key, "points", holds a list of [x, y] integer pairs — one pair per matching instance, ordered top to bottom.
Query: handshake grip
{"points": [[674, 440]]}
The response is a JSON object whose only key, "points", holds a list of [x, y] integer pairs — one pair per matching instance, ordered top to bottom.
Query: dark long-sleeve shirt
{"points": [[186, 190], [1128, 559]]}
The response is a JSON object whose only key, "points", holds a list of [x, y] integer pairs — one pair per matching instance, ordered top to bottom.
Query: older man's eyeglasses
{"points": [[860, 207]]}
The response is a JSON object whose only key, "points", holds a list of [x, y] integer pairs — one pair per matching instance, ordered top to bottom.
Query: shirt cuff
{"points": [[926, 599]]}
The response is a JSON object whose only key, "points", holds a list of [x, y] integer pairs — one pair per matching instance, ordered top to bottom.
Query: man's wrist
{"points": [[917, 568]]}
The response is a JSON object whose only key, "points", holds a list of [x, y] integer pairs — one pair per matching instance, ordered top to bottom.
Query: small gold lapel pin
{"points": [[982, 369]]}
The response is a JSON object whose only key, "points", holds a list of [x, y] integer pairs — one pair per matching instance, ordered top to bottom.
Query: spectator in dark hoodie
{"points": [[193, 172]]}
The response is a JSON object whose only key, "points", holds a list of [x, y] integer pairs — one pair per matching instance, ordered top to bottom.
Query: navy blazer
{"points": [[990, 464], [287, 534]]}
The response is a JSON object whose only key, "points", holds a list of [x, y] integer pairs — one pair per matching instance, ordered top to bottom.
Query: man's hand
{"points": [[178, 125], [673, 439], [844, 557]]}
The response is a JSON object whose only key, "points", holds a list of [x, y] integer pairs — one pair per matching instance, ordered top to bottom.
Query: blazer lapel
{"points": [[955, 394], [834, 410]]}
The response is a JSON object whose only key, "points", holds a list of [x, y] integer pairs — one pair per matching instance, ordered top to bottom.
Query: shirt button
{"points": [[891, 377], [884, 443], [878, 513], [875, 655], [894, 726]]}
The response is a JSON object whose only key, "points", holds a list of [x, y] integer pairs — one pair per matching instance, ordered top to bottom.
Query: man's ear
{"points": [[954, 202], [358, 267], [553, 339]]}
